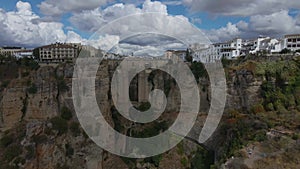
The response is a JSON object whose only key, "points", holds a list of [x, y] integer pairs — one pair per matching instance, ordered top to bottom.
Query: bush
{"points": [[285, 51], [198, 70], [4, 84], [62, 86], [32, 89], [290, 101], [144, 106], [270, 107], [280, 108], [258, 109], [66, 113], [59, 124], [74, 127], [260, 136], [295, 136], [39, 139], [6, 140], [69, 150], [11, 152], [30, 152], [202, 159], [19, 160], [154, 160], [184, 162]]}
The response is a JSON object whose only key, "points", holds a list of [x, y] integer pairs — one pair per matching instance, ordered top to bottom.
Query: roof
{"points": [[292, 35], [58, 45]]}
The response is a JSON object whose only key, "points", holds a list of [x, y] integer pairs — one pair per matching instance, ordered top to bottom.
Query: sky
{"points": [[32, 23]]}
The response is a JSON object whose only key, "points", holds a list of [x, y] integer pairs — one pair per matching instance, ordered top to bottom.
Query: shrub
{"points": [[285, 51], [198, 70], [4, 84], [62, 86], [32, 89], [290, 101], [144, 106], [270, 107], [280, 108], [258, 109], [66, 113], [59, 124], [74, 127], [260, 136], [295, 136], [39, 139], [6, 140], [69, 150], [180, 150], [11, 152], [30, 152], [202, 159], [19, 160], [154, 160], [184, 162]]}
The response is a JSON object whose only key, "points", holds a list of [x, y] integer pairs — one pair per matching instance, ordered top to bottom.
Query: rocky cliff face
{"points": [[244, 90], [33, 101]]}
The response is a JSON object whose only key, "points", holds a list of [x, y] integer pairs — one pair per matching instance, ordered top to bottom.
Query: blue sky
{"points": [[209, 21], [39, 22]]}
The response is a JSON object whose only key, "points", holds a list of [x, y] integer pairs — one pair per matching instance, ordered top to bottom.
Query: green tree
{"points": [[188, 56]]}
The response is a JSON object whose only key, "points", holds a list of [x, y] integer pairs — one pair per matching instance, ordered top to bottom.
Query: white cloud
{"points": [[172, 3], [154, 6], [58, 7], [241, 7], [92, 20], [114, 20], [196, 20], [275, 25], [20, 27], [224, 33]]}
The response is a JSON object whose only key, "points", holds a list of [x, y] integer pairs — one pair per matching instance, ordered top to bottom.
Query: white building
{"points": [[292, 42], [260, 44], [276, 46], [231, 49], [58, 52], [24, 53], [211, 53], [181, 54], [206, 54]]}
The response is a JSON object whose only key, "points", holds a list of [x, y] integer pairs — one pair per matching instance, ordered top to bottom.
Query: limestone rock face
{"points": [[53, 90], [244, 90], [12, 104], [43, 104]]}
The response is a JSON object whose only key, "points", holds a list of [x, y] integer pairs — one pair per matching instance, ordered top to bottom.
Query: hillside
{"points": [[260, 126]]}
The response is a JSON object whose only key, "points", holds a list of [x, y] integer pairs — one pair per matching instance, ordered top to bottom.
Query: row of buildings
{"points": [[238, 47], [18, 52], [61, 52]]}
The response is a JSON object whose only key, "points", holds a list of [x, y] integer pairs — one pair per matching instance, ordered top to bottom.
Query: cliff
{"points": [[39, 128]]}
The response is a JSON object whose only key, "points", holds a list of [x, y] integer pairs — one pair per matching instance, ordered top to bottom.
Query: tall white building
{"points": [[292, 42], [231, 49], [58, 52], [210, 53], [206, 54]]}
